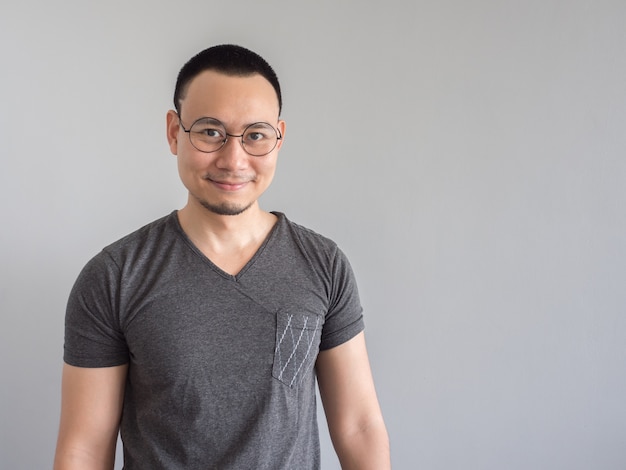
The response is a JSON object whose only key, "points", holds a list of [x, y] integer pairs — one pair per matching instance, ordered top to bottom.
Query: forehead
{"points": [[230, 97]]}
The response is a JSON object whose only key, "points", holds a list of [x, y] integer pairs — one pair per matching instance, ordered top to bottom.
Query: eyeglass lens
{"points": [[209, 135]]}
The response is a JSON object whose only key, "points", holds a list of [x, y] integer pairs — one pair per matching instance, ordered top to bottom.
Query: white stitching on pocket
{"points": [[291, 361]]}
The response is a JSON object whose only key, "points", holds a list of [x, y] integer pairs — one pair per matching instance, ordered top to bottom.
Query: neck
{"points": [[219, 233]]}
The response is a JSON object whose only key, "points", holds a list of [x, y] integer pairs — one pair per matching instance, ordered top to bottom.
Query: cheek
{"points": [[188, 165], [267, 166], [266, 172]]}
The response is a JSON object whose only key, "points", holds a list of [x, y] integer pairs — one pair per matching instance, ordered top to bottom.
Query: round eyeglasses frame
{"points": [[227, 135]]}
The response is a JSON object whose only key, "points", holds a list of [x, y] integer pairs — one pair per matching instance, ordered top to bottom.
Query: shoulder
{"points": [[306, 237], [145, 238], [136, 246], [321, 252]]}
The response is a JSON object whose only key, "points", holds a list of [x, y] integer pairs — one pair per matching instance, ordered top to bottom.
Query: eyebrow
{"points": [[208, 118], [215, 120]]}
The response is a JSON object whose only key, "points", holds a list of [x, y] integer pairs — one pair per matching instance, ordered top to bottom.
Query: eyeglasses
{"points": [[209, 135]]}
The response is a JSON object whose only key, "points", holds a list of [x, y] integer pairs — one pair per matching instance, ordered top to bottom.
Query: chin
{"points": [[225, 208]]}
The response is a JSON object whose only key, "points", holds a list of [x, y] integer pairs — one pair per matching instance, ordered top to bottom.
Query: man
{"points": [[200, 336]]}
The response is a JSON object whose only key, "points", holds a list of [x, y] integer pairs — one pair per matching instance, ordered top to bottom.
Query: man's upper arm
{"points": [[91, 408], [352, 411]]}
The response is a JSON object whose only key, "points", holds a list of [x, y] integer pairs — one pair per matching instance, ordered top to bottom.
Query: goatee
{"points": [[225, 208]]}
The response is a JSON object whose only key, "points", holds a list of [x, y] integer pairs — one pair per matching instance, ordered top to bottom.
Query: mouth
{"points": [[228, 185]]}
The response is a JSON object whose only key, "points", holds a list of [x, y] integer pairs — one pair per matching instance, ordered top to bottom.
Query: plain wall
{"points": [[468, 156]]}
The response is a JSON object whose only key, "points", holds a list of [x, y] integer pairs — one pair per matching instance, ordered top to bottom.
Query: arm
{"points": [[91, 407], [354, 418]]}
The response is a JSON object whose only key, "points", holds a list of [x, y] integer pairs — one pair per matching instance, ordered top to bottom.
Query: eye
{"points": [[209, 129], [210, 132], [260, 132], [255, 136]]}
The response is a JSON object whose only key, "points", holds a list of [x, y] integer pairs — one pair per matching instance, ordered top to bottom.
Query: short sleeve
{"points": [[344, 319], [93, 337]]}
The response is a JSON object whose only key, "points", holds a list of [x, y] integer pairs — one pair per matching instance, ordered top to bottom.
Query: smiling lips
{"points": [[226, 185], [229, 186]]}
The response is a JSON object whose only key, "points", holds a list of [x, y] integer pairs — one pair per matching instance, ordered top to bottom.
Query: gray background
{"points": [[467, 155]]}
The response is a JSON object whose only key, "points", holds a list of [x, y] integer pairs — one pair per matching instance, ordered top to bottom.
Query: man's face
{"points": [[228, 181]]}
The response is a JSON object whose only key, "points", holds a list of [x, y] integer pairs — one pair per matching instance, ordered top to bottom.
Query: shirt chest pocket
{"points": [[297, 344]]}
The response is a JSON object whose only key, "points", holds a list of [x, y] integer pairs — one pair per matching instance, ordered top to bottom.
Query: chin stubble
{"points": [[224, 209]]}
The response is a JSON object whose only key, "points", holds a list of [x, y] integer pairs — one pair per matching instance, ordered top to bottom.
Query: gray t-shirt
{"points": [[221, 367]]}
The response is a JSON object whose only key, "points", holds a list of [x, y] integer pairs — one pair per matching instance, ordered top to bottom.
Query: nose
{"points": [[232, 156]]}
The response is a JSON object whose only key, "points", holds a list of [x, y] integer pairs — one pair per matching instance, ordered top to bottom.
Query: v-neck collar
{"points": [[233, 277]]}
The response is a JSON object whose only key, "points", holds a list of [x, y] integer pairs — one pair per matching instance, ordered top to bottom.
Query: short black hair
{"points": [[229, 59]]}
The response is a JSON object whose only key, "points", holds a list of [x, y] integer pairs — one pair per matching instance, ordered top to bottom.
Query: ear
{"points": [[173, 127], [282, 127]]}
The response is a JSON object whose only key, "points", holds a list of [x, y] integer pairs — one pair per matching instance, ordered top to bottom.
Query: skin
{"points": [[229, 180], [223, 218], [91, 408], [355, 421]]}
